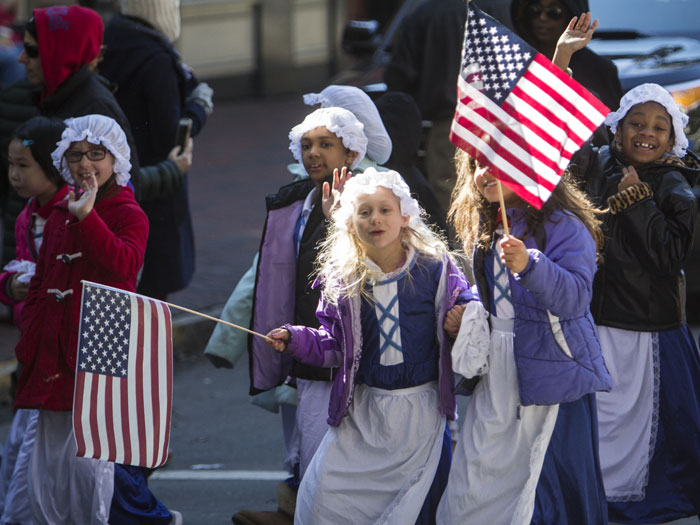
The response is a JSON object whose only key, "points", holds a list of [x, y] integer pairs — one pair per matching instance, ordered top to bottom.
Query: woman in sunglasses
{"points": [[541, 22]]}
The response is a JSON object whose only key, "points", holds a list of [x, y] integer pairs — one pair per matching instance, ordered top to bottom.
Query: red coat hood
{"points": [[69, 38]]}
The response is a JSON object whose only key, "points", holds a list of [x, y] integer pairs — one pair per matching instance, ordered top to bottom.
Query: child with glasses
{"points": [[98, 233]]}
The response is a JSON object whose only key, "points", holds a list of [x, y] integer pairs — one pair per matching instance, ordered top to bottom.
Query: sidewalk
{"points": [[240, 156]]}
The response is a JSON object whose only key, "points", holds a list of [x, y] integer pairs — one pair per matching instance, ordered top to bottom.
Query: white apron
{"points": [[628, 414], [499, 457], [378, 465], [64, 488]]}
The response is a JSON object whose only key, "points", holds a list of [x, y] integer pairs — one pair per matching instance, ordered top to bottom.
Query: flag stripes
{"points": [[517, 112], [122, 413]]}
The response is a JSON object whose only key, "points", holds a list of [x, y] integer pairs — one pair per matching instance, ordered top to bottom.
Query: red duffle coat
{"points": [[106, 247]]}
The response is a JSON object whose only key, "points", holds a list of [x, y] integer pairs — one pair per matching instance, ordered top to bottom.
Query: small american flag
{"points": [[517, 112], [124, 377]]}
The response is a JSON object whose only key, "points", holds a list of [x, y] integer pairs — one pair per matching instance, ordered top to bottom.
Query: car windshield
{"points": [[651, 17]]}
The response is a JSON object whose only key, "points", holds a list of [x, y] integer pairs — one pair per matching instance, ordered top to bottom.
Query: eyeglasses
{"points": [[553, 13], [31, 50], [74, 156]]}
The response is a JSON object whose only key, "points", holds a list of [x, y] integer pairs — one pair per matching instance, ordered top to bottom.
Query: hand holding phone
{"points": [[184, 128]]}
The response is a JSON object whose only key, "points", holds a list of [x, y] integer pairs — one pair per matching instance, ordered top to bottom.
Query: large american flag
{"points": [[516, 111], [124, 377]]}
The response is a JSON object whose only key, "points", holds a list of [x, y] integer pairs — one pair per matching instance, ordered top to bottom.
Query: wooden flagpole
{"points": [[504, 218], [171, 305], [218, 320]]}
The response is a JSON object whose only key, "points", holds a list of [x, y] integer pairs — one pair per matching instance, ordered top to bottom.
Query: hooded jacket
{"points": [[69, 39], [595, 73], [640, 285], [556, 346]]}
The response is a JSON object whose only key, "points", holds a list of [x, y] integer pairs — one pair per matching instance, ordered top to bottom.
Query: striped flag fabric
{"points": [[516, 111], [124, 377]]}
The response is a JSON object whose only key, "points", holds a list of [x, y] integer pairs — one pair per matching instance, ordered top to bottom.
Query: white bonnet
{"points": [[653, 93], [359, 104], [339, 121], [97, 129], [366, 183]]}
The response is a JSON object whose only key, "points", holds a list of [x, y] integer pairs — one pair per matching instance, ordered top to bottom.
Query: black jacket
{"points": [[427, 54], [152, 88], [86, 93], [402, 120], [640, 285]]}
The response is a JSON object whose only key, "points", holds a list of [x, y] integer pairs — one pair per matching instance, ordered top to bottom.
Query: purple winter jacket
{"points": [[338, 343], [556, 345]]}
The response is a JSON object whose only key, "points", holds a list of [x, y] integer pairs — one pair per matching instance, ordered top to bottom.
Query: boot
{"points": [[284, 515]]}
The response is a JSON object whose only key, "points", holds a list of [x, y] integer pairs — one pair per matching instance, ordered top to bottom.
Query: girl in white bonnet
{"points": [[387, 283], [649, 423]]}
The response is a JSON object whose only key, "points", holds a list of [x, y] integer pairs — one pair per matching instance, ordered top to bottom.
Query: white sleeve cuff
{"points": [[470, 351]]}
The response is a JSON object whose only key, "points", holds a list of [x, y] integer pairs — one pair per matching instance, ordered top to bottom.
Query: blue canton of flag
{"points": [[493, 60], [518, 113], [106, 328], [123, 383]]}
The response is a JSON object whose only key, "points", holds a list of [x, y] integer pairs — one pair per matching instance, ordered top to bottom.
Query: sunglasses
{"points": [[553, 13], [31, 50], [74, 156]]}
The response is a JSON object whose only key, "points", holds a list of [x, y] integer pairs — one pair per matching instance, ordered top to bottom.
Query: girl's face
{"points": [[644, 135], [322, 152], [85, 158], [26, 176], [487, 185], [377, 222]]}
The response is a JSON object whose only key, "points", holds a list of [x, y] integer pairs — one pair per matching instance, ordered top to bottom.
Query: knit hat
{"points": [[163, 15], [358, 103]]}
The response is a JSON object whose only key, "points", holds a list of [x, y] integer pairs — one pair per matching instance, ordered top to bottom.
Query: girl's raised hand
{"points": [[576, 36], [629, 178], [331, 194], [80, 207], [515, 256], [453, 320], [278, 339]]}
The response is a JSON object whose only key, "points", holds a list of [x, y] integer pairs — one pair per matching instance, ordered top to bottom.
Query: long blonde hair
{"points": [[475, 218], [341, 263]]}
